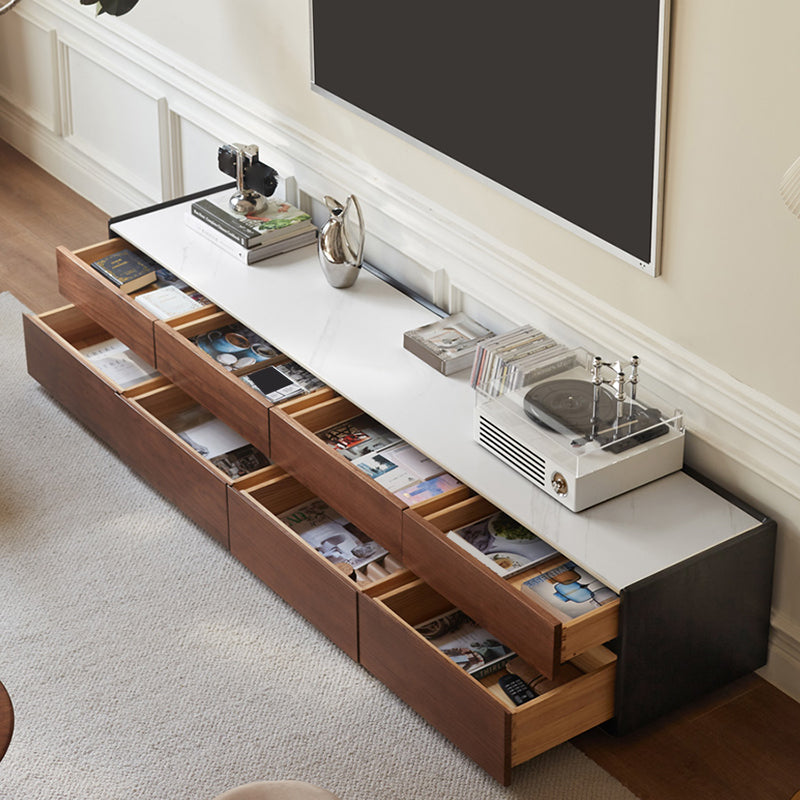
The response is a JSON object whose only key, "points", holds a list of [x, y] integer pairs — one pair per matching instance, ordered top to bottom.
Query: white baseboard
{"points": [[783, 667]]}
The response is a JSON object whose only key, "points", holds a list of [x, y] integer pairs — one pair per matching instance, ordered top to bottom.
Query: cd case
{"points": [[447, 345]]}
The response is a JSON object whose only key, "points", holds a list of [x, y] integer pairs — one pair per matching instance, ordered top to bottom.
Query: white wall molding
{"points": [[734, 419]]}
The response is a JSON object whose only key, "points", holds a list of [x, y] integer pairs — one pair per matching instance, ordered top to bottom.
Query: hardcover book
{"points": [[280, 220], [256, 253], [127, 270], [332, 535], [500, 542], [569, 590], [460, 638]]}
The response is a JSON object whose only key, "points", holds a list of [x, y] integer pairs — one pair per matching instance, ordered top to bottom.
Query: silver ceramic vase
{"points": [[341, 243]]}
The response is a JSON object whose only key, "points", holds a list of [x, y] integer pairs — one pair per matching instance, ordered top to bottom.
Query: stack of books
{"points": [[279, 228]]}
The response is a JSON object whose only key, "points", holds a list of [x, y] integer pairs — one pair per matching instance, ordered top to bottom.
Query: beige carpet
{"points": [[145, 662]]}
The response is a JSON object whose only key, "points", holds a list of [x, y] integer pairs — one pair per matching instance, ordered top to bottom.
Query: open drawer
{"points": [[116, 311], [58, 348], [213, 376], [296, 447], [175, 468], [270, 514], [540, 633], [475, 714]]}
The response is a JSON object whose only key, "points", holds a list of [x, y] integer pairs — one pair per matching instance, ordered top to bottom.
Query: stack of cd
{"points": [[508, 361]]}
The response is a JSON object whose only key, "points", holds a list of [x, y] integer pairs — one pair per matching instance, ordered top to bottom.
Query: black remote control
{"points": [[518, 691]]}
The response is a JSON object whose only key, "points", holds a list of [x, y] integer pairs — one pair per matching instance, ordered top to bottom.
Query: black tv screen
{"points": [[557, 101]]}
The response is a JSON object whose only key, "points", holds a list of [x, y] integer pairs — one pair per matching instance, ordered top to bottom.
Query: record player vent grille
{"points": [[507, 449]]}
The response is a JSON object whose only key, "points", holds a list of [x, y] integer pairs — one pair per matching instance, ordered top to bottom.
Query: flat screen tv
{"points": [[559, 102]]}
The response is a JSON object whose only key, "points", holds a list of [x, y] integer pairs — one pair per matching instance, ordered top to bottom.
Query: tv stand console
{"points": [[691, 565]]}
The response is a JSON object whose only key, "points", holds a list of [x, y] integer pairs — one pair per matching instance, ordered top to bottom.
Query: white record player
{"points": [[579, 436]]}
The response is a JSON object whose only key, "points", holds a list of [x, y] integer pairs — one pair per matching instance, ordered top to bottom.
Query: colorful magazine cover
{"points": [[235, 346], [358, 436], [331, 535], [502, 544], [569, 590], [460, 638]]}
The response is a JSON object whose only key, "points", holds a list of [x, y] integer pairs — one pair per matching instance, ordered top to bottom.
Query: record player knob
{"points": [[559, 483]]}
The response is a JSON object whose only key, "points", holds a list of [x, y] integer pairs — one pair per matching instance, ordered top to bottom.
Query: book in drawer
{"points": [[115, 310], [57, 344], [209, 356], [296, 448], [320, 573], [540, 632], [473, 713]]}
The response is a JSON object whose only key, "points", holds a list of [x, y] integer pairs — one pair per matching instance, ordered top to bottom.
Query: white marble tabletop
{"points": [[353, 340]]}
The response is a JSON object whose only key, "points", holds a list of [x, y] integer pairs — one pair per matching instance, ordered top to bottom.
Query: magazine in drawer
{"points": [[216, 359], [80, 365], [296, 447], [187, 454], [306, 552], [487, 564], [474, 712]]}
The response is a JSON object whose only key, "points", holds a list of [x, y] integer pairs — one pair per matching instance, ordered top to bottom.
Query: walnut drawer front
{"points": [[116, 311], [52, 346], [222, 392], [296, 448], [174, 468], [313, 586], [319, 590], [518, 619], [475, 715]]}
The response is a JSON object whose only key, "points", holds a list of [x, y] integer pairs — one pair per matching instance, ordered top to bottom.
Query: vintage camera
{"points": [[255, 181]]}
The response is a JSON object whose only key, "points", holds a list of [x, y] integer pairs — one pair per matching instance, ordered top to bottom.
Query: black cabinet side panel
{"points": [[694, 627]]}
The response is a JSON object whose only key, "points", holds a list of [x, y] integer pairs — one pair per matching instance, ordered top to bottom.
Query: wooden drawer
{"points": [[116, 311], [53, 342], [221, 391], [296, 448], [153, 449], [320, 591], [525, 624], [475, 715]]}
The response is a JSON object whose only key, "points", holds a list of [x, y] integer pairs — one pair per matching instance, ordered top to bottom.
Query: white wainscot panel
{"points": [[28, 69], [116, 124], [198, 156]]}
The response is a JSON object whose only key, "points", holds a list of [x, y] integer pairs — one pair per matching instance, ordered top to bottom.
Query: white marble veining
{"points": [[353, 340]]}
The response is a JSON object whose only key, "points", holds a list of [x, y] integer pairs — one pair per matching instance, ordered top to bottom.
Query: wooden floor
{"points": [[742, 743]]}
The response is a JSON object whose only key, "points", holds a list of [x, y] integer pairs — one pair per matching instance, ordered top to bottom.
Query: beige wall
{"points": [[730, 278]]}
